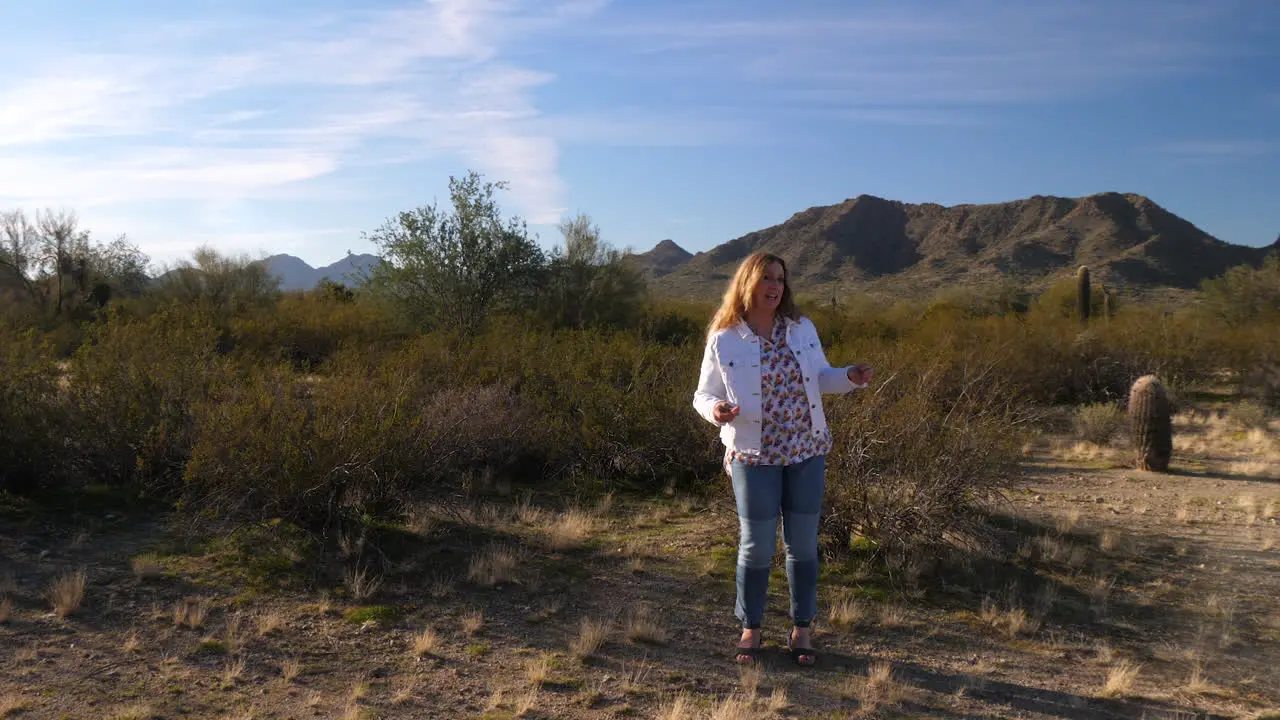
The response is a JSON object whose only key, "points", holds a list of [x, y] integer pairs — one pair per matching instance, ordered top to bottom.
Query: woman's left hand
{"points": [[860, 374]]}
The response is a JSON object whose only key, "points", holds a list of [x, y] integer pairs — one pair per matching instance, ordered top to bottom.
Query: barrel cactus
{"points": [[1082, 293], [1151, 423]]}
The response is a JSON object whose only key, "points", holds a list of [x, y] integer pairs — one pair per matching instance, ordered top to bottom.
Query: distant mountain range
{"points": [[902, 249], [296, 274]]}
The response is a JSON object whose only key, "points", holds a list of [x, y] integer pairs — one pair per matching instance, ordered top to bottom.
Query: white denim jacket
{"points": [[731, 372]]}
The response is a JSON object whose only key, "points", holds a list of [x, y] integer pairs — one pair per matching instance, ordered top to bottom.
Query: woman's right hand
{"points": [[725, 412]]}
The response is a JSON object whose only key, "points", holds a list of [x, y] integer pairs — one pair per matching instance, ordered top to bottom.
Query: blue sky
{"points": [[294, 126]]}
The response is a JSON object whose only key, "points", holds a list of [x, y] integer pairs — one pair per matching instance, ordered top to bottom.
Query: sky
{"points": [[299, 125]]}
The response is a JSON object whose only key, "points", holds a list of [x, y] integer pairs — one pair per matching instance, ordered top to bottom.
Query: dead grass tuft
{"points": [[1066, 523], [569, 529], [1110, 541], [497, 565], [146, 566], [362, 583], [67, 592], [191, 612], [847, 613], [893, 616], [270, 621], [473, 622], [1018, 622], [643, 627], [592, 634], [234, 635], [132, 643], [425, 643], [1103, 653], [290, 668], [538, 670], [232, 671], [634, 676], [749, 678], [1120, 680], [1197, 684], [359, 688], [875, 690], [778, 700], [527, 703], [12, 704], [679, 707], [734, 708], [132, 712]]}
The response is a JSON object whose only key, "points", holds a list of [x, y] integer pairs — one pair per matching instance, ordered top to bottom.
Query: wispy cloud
{"points": [[260, 105], [1218, 150]]}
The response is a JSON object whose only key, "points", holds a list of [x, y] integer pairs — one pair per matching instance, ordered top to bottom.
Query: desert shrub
{"points": [[588, 283], [1245, 294], [306, 329], [132, 387], [1250, 415], [33, 422], [1097, 423], [357, 441], [917, 459]]}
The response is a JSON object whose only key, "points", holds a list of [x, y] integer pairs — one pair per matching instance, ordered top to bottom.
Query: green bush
{"points": [[132, 388], [1250, 415], [33, 422], [1097, 423], [357, 441], [917, 458]]}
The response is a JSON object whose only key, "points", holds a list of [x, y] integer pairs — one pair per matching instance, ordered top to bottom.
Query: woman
{"points": [[762, 380]]}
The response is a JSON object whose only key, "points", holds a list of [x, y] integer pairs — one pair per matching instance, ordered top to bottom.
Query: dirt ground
{"points": [[1120, 594]]}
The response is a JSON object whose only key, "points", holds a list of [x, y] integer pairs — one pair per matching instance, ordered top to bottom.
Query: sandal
{"points": [[798, 653], [747, 655]]}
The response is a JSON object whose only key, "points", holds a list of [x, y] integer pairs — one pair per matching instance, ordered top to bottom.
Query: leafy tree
{"points": [[454, 269], [589, 283], [225, 284]]}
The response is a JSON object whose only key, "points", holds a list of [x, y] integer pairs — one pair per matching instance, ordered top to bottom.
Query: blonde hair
{"points": [[738, 296]]}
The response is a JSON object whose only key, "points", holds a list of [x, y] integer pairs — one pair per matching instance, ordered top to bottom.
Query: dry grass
{"points": [[1066, 523], [569, 529], [1110, 541], [1266, 545], [497, 565], [146, 566], [362, 583], [67, 592], [6, 609], [191, 612], [847, 613], [893, 616], [269, 621], [473, 622], [1018, 622], [643, 627], [592, 634], [234, 635], [132, 643], [425, 643], [290, 668], [538, 670], [232, 671], [634, 676], [749, 678], [1120, 680], [1197, 684], [359, 689], [875, 690], [778, 700], [526, 703], [12, 704], [680, 707], [734, 708], [133, 712], [351, 712], [248, 713]]}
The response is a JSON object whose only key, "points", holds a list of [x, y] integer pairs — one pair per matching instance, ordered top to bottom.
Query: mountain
{"points": [[901, 249], [665, 257], [296, 274]]}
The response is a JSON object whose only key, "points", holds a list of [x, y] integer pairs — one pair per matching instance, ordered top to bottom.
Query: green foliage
{"points": [[453, 269], [588, 284], [220, 285], [1246, 294], [306, 329], [132, 387], [33, 420], [1097, 423], [918, 457]]}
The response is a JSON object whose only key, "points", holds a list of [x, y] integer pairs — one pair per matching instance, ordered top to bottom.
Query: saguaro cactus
{"points": [[1082, 293], [1151, 423]]}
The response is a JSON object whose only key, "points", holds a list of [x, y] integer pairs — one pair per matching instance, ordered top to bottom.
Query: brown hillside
{"points": [[900, 248], [664, 258]]}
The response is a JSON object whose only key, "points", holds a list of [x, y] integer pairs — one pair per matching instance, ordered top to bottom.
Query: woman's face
{"points": [[768, 292]]}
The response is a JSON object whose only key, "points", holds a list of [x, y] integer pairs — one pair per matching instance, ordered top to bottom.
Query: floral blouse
{"points": [[786, 429]]}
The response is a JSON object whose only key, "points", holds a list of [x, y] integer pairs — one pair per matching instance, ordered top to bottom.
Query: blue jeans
{"points": [[762, 492]]}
